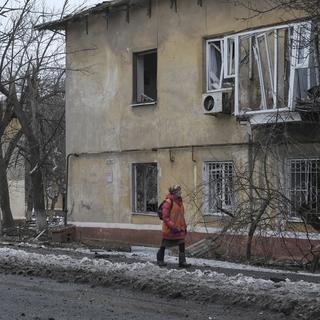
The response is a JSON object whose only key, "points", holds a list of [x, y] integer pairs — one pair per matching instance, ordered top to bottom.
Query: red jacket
{"points": [[174, 225]]}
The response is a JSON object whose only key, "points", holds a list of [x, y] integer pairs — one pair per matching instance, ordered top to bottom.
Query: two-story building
{"points": [[163, 92]]}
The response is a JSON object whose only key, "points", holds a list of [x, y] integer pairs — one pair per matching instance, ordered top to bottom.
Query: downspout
{"points": [[251, 166], [65, 205]]}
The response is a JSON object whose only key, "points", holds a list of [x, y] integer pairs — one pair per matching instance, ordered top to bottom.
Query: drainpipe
{"points": [[251, 167], [65, 205]]}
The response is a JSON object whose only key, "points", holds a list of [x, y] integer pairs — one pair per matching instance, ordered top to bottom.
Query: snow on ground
{"points": [[149, 254], [295, 298]]}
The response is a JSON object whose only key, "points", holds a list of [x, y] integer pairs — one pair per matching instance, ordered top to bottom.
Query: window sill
{"points": [[227, 89], [143, 104], [265, 111], [267, 117], [150, 214], [216, 214], [294, 220]]}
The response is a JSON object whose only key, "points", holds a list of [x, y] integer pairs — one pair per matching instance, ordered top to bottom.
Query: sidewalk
{"points": [[230, 268]]}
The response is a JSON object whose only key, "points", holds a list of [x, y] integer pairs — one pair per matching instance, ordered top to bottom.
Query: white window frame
{"points": [[298, 29], [231, 56], [272, 63], [208, 64], [222, 164]]}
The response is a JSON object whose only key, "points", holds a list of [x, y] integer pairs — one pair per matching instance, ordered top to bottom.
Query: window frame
{"points": [[295, 52], [229, 60], [271, 64], [222, 78], [135, 80], [134, 188], [215, 212], [294, 217]]}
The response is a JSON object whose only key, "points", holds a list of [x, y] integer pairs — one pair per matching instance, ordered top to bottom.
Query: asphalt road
{"points": [[28, 298]]}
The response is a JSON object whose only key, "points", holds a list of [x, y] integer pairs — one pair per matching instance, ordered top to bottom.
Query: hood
{"points": [[174, 198]]}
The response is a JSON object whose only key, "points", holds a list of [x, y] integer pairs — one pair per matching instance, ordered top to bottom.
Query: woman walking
{"points": [[174, 228]]}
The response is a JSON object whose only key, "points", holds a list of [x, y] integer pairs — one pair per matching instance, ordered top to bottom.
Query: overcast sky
{"points": [[58, 4]]}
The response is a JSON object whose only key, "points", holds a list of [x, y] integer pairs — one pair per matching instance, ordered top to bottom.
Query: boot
{"points": [[160, 257], [182, 261]]}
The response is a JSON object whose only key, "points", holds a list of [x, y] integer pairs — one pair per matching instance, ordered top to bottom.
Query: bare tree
{"points": [[309, 7], [31, 73], [6, 114], [5, 118], [260, 203]]}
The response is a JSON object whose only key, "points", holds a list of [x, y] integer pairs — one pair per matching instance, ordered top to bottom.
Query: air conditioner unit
{"points": [[216, 102]]}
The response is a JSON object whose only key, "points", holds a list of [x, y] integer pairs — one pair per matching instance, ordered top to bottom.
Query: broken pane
{"points": [[229, 55], [214, 65], [304, 65], [145, 70], [262, 70], [249, 84], [145, 187]]}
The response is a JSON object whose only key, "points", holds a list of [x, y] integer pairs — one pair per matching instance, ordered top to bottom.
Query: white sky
{"points": [[72, 4]]}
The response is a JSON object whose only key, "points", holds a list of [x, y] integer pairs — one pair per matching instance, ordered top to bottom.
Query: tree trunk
{"points": [[37, 189], [28, 192], [4, 195], [53, 203], [253, 227], [249, 241]]}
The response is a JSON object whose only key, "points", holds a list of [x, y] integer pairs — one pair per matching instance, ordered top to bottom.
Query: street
{"points": [[45, 283], [33, 298]]}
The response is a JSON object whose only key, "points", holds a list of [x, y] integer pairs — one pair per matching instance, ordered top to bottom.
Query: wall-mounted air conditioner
{"points": [[212, 102], [216, 102]]}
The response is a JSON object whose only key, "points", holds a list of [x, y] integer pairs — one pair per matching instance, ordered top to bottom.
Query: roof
{"points": [[112, 6], [98, 8]]}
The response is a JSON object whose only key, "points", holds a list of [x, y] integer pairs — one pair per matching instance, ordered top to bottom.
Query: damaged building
{"points": [[196, 93]]}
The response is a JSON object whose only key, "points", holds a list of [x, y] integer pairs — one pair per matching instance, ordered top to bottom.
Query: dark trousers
{"points": [[160, 254]]}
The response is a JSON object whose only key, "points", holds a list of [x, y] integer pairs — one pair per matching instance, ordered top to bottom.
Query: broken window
{"points": [[228, 57], [304, 63], [215, 65], [261, 65], [271, 69], [145, 77], [218, 186], [145, 187], [304, 188]]}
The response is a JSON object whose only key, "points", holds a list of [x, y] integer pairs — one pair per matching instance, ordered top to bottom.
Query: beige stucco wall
{"points": [[99, 94], [16, 175], [100, 186], [17, 198]]}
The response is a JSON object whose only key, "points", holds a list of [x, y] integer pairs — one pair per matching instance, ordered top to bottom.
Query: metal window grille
{"points": [[218, 186], [145, 187], [304, 189]]}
